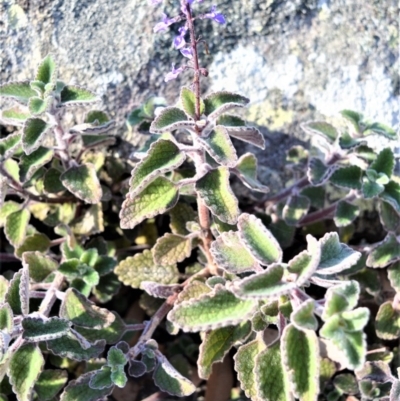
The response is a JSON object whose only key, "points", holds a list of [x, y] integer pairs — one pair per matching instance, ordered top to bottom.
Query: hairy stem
{"points": [[51, 294]]}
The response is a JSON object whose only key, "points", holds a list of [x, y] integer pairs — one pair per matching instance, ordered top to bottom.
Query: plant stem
{"points": [[51, 296]]}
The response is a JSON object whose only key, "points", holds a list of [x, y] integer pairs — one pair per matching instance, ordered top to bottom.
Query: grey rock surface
{"points": [[296, 60]]}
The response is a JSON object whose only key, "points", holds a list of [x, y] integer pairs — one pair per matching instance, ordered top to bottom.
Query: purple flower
{"points": [[215, 16], [164, 24], [179, 40], [187, 52], [173, 73]]}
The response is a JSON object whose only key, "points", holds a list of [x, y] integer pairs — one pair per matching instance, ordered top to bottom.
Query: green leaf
{"points": [[47, 70], [19, 91], [75, 94], [188, 100], [218, 102], [38, 105], [14, 116], [354, 117], [170, 119], [230, 120], [321, 128], [379, 129], [247, 134], [346, 141], [9, 145], [219, 146], [163, 156], [384, 162], [31, 163], [246, 170], [318, 173], [347, 177], [51, 181], [83, 182], [214, 189], [370, 189], [391, 194], [158, 197], [6, 209], [295, 209], [345, 213], [390, 219], [16, 226], [258, 239], [35, 242], [171, 249], [385, 253], [230, 254], [335, 256], [39, 265], [141, 267], [394, 276], [265, 285], [107, 287], [3, 288], [193, 290], [13, 295], [340, 298], [218, 308], [82, 312], [303, 317], [6, 319], [354, 320], [387, 322], [39, 329], [111, 334], [217, 343], [69, 347], [116, 357], [300, 357], [245, 363], [24, 369], [118, 376], [101, 379], [169, 380], [271, 381], [50, 383], [346, 383], [80, 390]]}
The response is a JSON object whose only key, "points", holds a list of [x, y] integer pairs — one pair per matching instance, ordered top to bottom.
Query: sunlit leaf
{"points": [[171, 248], [387, 323]]}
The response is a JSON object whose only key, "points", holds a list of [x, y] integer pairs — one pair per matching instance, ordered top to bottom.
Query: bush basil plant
{"points": [[288, 302]]}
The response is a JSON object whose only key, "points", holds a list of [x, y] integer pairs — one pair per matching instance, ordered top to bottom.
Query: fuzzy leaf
{"points": [[46, 71], [19, 91], [74, 94], [188, 100], [218, 102], [37, 105], [14, 116], [169, 119], [321, 128], [380, 129], [33, 134], [248, 134], [9, 145], [219, 146], [163, 156], [384, 162], [31, 163], [246, 169], [318, 172], [347, 177], [51, 181], [83, 182], [214, 189], [370, 189], [391, 194], [158, 197], [6, 209], [295, 209], [345, 213], [179, 215], [390, 219], [16, 226], [258, 239], [35, 242], [171, 249], [385, 253], [230, 254], [335, 256], [141, 267], [394, 276], [265, 285], [193, 290], [13, 295], [342, 297], [218, 308], [82, 312], [303, 317], [6, 318], [387, 323], [37, 329], [217, 343], [69, 347], [300, 357], [245, 363], [24, 369], [168, 379], [271, 381], [50, 383], [346, 383], [80, 390]]}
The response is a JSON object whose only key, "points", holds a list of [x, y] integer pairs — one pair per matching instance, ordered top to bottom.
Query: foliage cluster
{"points": [[307, 309]]}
